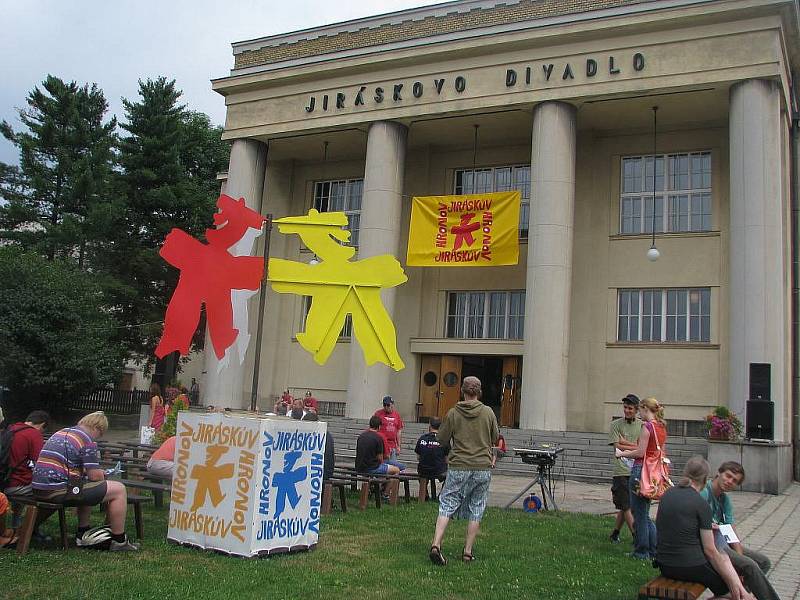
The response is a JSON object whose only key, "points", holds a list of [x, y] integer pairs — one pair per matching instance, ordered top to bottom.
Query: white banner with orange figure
{"points": [[247, 485]]}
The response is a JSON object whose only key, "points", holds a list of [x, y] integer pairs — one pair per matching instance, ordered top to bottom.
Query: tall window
{"points": [[498, 179], [683, 186], [342, 195], [495, 315], [672, 315], [347, 328]]}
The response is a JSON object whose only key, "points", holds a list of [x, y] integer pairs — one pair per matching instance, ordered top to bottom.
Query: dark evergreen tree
{"points": [[169, 161], [58, 200]]}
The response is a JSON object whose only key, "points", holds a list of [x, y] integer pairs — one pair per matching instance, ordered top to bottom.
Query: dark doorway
{"points": [[489, 369]]}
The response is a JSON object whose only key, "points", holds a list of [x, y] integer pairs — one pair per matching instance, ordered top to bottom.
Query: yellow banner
{"points": [[473, 230]]}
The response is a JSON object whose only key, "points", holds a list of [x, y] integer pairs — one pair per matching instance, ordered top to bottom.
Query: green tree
{"points": [[169, 159], [57, 200], [55, 333]]}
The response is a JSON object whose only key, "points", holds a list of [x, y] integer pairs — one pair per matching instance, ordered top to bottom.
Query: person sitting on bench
{"points": [[369, 451], [432, 454], [162, 461], [68, 472], [686, 549], [750, 564]]}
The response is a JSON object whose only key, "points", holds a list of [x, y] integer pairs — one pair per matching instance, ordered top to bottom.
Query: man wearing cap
{"points": [[391, 428], [624, 434]]}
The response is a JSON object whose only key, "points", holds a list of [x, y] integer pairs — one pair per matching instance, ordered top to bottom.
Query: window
{"points": [[499, 179], [683, 185], [341, 196], [494, 315], [674, 315], [347, 328]]}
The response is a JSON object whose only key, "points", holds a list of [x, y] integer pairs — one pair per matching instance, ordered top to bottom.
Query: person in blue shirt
{"points": [[749, 563]]}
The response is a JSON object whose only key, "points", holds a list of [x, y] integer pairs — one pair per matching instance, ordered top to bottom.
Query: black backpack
{"points": [[6, 468]]}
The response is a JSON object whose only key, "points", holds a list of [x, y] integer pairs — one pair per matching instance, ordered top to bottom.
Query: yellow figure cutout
{"points": [[339, 287], [208, 477]]}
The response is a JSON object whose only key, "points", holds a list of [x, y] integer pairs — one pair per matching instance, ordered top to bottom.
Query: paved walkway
{"points": [[769, 524]]}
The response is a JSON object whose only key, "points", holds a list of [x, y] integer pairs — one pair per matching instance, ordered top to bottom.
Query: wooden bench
{"points": [[158, 489], [327, 494], [36, 513], [662, 588]]}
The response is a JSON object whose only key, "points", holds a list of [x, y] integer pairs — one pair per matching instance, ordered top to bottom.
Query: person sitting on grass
{"points": [[432, 455], [162, 461], [68, 472], [8, 537], [686, 549], [750, 564]]}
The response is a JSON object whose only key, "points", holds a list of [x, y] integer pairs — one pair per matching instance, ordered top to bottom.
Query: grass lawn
{"points": [[374, 554]]}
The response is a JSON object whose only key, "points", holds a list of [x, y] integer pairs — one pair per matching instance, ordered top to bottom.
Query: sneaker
{"points": [[614, 537], [126, 546]]}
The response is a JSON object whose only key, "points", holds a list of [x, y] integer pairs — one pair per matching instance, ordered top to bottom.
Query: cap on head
{"points": [[631, 399], [387, 400]]}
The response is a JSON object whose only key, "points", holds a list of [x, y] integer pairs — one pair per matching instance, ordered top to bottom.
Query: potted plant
{"points": [[722, 424]]}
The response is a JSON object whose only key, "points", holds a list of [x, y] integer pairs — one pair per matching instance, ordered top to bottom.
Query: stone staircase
{"points": [[586, 456]]}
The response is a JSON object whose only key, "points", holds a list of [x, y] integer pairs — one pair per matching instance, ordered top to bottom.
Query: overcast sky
{"points": [[114, 43]]}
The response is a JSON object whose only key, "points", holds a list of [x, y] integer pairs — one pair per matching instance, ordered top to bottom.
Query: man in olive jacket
{"points": [[470, 429]]}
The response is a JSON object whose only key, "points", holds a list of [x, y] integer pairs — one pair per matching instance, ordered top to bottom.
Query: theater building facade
{"points": [[554, 98]]}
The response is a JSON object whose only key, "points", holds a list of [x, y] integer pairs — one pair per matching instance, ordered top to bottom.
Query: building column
{"points": [[379, 233], [759, 276], [548, 279], [228, 385]]}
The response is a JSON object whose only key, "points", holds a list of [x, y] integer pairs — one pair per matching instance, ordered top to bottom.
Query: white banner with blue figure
{"points": [[246, 485], [289, 499]]}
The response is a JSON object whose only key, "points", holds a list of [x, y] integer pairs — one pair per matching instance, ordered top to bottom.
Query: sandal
{"points": [[11, 543], [437, 557], [466, 557]]}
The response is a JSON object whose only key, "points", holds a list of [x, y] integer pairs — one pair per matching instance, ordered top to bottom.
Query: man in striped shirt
{"points": [[71, 455]]}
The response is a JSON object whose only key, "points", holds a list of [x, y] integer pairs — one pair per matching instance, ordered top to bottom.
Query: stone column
{"points": [[379, 234], [758, 244], [549, 272], [229, 386]]}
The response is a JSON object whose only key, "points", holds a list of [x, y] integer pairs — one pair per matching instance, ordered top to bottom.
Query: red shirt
{"points": [[310, 402], [391, 424], [25, 447]]}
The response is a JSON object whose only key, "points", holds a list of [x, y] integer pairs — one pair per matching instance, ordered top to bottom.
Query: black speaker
{"points": [[760, 387], [760, 419]]}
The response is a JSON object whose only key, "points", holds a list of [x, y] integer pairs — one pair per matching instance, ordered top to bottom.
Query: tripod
{"points": [[545, 482]]}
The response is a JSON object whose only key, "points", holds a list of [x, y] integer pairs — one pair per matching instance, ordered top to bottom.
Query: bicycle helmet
{"points": [[98, 538]]}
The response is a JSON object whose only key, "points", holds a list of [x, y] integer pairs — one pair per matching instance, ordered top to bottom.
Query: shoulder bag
{"points": [[655, 473]]}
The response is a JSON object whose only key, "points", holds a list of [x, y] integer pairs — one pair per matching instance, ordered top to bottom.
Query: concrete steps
{"points": [[586, 456]]}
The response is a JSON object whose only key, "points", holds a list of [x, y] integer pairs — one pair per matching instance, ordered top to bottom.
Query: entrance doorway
{"points": [[440, 384]]}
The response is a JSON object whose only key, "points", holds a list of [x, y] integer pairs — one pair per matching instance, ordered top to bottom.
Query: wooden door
{"points": [[430, 378], [450, 383], [509, 403]]}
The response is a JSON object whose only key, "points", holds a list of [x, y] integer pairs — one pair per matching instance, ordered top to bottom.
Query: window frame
{"points": [[514, 184], [321, 202], [636, 206], [675, 315], [461, 326]]}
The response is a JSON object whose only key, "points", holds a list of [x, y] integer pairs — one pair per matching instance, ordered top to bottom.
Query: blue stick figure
{"points": [[287, 481]]}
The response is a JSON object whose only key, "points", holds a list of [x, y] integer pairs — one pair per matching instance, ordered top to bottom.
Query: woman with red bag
{"points": [[651, 447]]}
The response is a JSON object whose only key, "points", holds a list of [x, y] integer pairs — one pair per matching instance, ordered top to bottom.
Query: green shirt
{"points": [[620, 429], [721, 507]]}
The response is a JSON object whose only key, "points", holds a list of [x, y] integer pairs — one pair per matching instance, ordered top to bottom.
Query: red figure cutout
{"points": [[464, 231], [208, 274]]}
